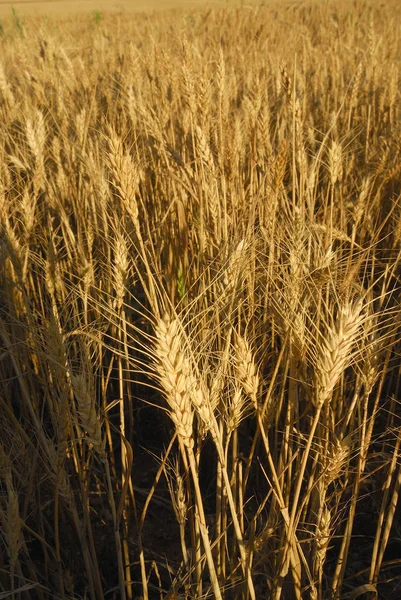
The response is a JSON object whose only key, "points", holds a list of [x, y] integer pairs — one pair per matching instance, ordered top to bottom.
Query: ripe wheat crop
{"points": [[200, 263]]}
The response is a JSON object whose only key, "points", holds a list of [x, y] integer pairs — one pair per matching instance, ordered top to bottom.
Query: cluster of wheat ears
{"points": [[200, 242]]}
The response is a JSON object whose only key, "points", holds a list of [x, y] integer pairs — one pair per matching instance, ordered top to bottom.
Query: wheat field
{"points": [[200, 243]]}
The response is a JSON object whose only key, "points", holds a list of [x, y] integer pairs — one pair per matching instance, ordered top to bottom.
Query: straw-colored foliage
{"points": [[200, 304]]}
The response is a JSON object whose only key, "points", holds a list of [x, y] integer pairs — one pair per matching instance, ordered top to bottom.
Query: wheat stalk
{"points": [[180, 385], [10, 516]]}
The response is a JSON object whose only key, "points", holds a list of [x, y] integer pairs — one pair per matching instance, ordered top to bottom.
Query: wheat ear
{"points": [[335, 350], [247, 370], [174, 374], [90, 423]]}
